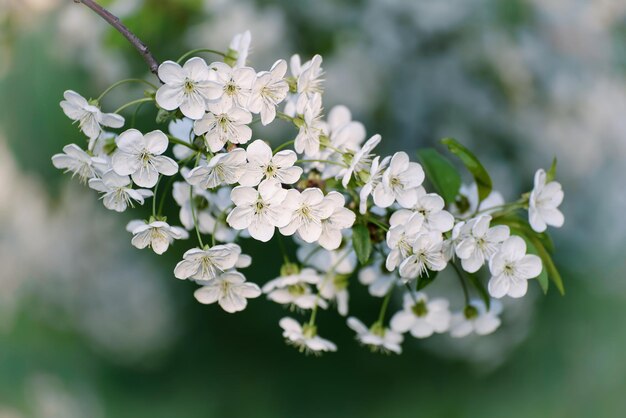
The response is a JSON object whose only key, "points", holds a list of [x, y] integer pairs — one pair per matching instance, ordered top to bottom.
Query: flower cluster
{"points": [[351, 212]]}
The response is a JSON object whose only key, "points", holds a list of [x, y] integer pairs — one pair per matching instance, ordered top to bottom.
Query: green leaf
{"points": [[441, 173], [551, 174], [483, 181], [362, 243], [548, 264], [426, 279], [484, 295]]}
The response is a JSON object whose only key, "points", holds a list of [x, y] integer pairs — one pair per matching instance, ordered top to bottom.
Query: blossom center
{"points": [[420, 309]]}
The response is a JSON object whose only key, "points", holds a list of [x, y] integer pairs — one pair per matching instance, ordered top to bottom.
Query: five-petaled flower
{"points": [[186, 87], [140, 157], [155, 234], [511, 268], [230, 290]]}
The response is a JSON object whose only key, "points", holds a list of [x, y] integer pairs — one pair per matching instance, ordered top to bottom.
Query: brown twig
{"points": [[119, 26]]}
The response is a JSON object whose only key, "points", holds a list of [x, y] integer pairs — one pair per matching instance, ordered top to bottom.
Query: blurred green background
{"points": [[92, 327]]}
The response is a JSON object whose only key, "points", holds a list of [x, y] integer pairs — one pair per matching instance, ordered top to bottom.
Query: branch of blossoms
{"points": [[351, 213]]}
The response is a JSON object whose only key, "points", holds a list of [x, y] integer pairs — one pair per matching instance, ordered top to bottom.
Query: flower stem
{"points": [[114, 21], [195, 51], [119, 83], [134, 102], [284, 116], [178, 141], [283, 145], [323, 161], [154, 196], [377, 223], [462, 280], [383, 308]]}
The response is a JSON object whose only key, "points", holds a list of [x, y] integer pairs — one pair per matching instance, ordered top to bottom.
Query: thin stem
{"points": [[114, 21], [195, 51], [119, 83], [134, 102], [135, 113], [284, 116], [178, 141], [283, 145], [323, 161], [168, 185], [154, 196], [501, 208], [195, 219], [377, 223], [283, 250], [462, 280], [411, 292], [383, 308], [313, 313]]}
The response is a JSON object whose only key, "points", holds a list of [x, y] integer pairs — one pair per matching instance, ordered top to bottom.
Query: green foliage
{"points": [[473, 165], [551, 174], [444, 177], [362, 242], [426, 279]]}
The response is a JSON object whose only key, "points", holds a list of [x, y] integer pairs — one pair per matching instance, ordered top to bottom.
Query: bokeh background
{"points": [[92, 327]]}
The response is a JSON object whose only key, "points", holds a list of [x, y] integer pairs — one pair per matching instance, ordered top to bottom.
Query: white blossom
{"points": [[239, 48], [310, 78], [231, 86], [187, 87], [269, 90], [89, 117], [224, 123], [311, 126], [140, 157], [76, 161], [359, 161], [263, 165], [226, 168], [375, 176], [398, 182], [117, 191], [543, 203], [431, 205], [307, 210], [259, 211], [340, 218], [404, 226], [158, 235], [477, 242], [426, 255], [207, 264], [511, 268], [377, 280], [293, 287], [335, 287], [230, 290], [422, 317], [476, 318], [304, 337], [376, 337]]}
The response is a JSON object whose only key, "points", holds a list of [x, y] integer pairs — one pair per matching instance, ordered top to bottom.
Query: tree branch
{"points": [[114, 21]]}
